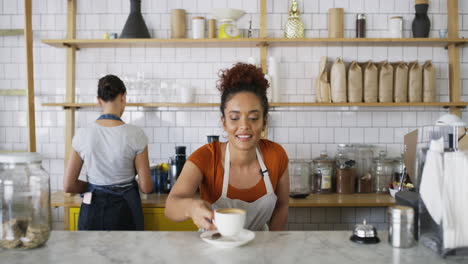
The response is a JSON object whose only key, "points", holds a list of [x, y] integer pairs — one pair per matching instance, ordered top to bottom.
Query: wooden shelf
{"points": [[11, 32], [371, 41], [252, 42], [116, 43], [13, 92], [436, 104], [59, 199]]}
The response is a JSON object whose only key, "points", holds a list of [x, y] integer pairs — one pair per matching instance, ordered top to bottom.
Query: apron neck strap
{"points": [[109, 116], [227, 165]]}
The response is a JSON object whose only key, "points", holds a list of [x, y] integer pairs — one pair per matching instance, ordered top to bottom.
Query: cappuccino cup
{"points": [[229, 221]]}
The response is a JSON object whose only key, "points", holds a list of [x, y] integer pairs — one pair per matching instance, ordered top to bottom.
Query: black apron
{"points": [[112, 207]]}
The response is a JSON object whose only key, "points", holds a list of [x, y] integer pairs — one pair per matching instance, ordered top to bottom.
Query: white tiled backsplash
{"points": [[303, 131]]}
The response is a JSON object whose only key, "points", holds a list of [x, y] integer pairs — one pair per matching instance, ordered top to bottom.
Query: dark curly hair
{"points": [[243, 77], [109, 87]]}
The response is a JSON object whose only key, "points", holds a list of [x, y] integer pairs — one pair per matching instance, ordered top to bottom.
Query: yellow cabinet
{"points": [[155, 220]]}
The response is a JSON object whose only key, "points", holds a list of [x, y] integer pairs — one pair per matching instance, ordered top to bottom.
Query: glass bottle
{"points": [[25, 201]]}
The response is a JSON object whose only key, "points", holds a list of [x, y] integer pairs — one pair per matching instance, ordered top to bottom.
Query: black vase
{"points": [[421, 22], [135, 26]]}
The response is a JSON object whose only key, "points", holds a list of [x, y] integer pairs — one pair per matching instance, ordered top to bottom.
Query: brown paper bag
{"points": [[338, 81], [371, 82], [386, 82], [401, 82], [429, 82], [354, 83], [415, 83], [322, 86]]}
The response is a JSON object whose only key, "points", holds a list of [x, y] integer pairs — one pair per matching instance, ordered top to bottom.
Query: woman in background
{"points": [[113, 152], [246, 172]]}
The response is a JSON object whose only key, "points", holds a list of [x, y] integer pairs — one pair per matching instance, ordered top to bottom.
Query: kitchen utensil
{"points": [[227, 16], [364, 234]]}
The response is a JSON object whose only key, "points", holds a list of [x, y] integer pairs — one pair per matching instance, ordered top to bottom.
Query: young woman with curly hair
{"points": [[245, 172]]}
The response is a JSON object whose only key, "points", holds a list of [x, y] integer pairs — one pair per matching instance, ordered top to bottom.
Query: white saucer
{"points": [[244, 237]]}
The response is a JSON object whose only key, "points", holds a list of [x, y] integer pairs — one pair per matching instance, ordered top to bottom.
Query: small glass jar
{"points": [[382, 172], [299, 175], [323, 177], [24, 188]]}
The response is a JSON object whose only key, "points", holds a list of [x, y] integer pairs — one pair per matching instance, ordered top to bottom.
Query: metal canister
{"points": [[401, 226]]}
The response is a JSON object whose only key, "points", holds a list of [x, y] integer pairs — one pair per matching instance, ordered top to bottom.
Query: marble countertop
{"points": [[187, 247]]}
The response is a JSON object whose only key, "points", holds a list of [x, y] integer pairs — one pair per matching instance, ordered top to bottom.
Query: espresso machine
{"points": [[176, 163]]}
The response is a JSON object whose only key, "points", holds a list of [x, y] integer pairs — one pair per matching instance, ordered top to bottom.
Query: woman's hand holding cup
{"points": [[202, 214]]}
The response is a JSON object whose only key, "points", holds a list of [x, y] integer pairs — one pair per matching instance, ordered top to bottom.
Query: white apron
{"points": [[258, 212]]}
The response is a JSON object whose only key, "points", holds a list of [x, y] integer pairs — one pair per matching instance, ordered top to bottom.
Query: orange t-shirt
{"points": [[208, 160]]}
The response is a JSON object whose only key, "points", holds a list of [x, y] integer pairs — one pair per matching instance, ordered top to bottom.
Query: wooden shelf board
{"points": [[11, 32], [355, 41], [102, 43], [13, 92], [436, 104], [78, 105], [59, 199], [344, 200]]}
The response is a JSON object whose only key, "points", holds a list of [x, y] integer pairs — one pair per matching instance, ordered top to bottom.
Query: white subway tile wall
{"points": [[303, 131]]}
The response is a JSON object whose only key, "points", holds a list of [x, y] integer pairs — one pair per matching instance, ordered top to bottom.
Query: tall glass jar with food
{"points": [[323, 176], [25, 201]]}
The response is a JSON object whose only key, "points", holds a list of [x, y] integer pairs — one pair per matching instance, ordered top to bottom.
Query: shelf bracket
{"points": [[263, 44], [456, 44], [71, 46], [456, 106], [71, 107]]}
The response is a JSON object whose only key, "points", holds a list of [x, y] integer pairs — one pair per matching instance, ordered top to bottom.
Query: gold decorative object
{"points": [[294, 27]]}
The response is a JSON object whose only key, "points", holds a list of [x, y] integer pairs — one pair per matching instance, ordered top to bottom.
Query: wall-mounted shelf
{"points": [[11, 32], [249, 42], [116, 43], [13, 92], [436, 104]]}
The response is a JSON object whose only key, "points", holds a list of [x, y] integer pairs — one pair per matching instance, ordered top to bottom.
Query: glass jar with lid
{"points": [[344, 153], [364, 160], [382, 172], [323, 174], [299, 175], [25, 201]]}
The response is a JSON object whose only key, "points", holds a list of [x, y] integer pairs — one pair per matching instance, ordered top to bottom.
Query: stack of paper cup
{"points": [[335, 23], [395, 26], [273, 72]]}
